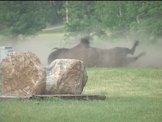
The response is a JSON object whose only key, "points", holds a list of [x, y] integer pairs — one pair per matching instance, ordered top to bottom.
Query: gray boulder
{"points": [[65, 76]]}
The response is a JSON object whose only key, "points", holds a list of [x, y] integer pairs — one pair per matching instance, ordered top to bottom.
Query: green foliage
{"points": [[54, 15], [22, 17], [137, 19], [147, 19], [80, 20], [106, 20]]}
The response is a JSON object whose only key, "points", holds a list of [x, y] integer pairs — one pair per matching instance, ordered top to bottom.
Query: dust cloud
{"points": [[43, 46], [40, 48], [153, 58]]}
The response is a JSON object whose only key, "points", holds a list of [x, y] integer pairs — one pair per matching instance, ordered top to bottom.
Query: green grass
{"points": [[56, 25], [55, 29], [125, 81], [133, 95], [114, 109]]}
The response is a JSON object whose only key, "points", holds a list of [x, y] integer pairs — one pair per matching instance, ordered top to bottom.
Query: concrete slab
{"points": [[61, 96], [73, 96]]}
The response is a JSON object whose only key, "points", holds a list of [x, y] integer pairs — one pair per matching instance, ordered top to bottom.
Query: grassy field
{"points": [[133, 95]]}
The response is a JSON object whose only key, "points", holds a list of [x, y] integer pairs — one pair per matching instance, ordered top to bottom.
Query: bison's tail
{"points": [[54, 54]]}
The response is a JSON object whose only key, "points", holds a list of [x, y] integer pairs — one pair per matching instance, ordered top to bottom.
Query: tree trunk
{"points": [[67, 12], [120, 13], [137, 18]]}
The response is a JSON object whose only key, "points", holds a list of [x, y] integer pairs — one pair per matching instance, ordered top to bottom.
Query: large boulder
{"points": [[22, 74], [65, 76]]}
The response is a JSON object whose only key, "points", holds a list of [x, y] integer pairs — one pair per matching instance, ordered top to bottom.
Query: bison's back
{"points": [[64, 53]]}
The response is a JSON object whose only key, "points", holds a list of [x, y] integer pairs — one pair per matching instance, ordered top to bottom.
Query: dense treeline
{"points": [[28, 17], [104, 19], [142, 19]]}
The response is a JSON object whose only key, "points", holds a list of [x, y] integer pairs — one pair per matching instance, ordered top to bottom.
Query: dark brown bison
{"points": [[91, 56]]}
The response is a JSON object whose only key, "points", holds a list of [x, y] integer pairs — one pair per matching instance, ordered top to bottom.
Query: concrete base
{"points": [[61, 96], [74, 96]]}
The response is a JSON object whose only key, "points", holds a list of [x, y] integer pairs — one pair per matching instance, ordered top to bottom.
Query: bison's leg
{"points": [[134, 47], [122, 51], [133, 59]]}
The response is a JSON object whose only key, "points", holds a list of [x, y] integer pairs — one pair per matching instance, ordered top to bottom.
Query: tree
{"points": [[79, 16], [112, 16], [22, 17], [96, 17], [137, 19], [146, 19]]}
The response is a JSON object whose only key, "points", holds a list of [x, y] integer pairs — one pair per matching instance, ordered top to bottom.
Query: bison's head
{"points": [[85, 41]]}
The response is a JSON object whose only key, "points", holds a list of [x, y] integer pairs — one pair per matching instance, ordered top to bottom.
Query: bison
{"points": [[92, 56]]}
